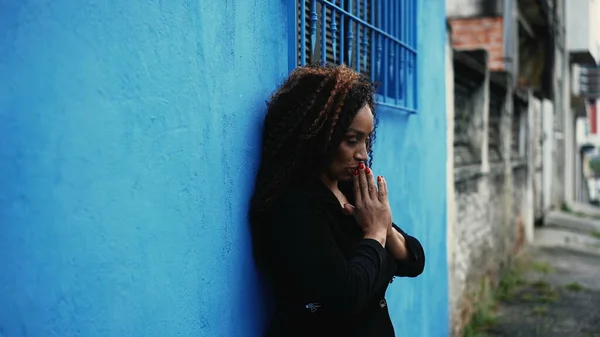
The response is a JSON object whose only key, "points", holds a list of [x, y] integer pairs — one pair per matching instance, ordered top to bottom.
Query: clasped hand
{"points": [[371, 207]]}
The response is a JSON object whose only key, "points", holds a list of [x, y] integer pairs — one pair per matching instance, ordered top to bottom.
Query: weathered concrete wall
{"points": [[536, 136], [549, 153], [450, 192], [489, 204], [486, 237]]}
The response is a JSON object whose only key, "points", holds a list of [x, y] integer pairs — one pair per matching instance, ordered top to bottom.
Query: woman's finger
{"points": [[362, 179], [371, 183], [356, 188], [383, 190]]}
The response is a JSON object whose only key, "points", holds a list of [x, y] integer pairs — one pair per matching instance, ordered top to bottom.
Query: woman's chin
{"points": [[345, 177]]}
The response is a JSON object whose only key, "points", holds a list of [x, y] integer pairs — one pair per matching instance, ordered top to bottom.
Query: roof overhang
{"points": [[581, 57]]}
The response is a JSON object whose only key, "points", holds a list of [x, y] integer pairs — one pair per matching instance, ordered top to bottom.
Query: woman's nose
{"points": [[362, 154]]}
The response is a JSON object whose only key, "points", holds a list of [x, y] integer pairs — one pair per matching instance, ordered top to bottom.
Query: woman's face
{"points": [[353, 148]]}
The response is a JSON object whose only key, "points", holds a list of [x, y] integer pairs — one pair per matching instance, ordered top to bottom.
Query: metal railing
{"points": [[375, 37]]}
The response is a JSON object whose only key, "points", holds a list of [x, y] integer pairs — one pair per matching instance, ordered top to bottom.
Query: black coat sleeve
{"points": [[305, 249], [414, 264]]}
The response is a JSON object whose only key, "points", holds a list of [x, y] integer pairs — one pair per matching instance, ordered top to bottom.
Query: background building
{"points": [[583, 36], [509, 155]]}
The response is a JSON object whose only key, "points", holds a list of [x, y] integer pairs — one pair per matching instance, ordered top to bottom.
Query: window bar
{"points": [[412, 20], [360, 21], [406, 22], [390, 23], [313, 27], [342, 32], [303, 33], [323, 34], [334, 34], [350, 34], [404, 36], [358, 37], [365, 41], [379, 42], [386, 46], [392, 47], [399, 49], [413, 55], [406, 56], [409, 56], [373, 58], [402, 78], [411, 78], [408, 90]]}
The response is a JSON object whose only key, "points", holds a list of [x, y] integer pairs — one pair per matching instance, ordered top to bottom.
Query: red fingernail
{"points": [[362, 166], [368, 170], [355, 172], [379, 179]]}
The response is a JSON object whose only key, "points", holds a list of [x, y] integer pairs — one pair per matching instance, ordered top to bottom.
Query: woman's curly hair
{"points": [[306, 120]]}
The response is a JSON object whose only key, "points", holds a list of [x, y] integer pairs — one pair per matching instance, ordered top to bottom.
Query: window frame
{"points": [[400, 39]]}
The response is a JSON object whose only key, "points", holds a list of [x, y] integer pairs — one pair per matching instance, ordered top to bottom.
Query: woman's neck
{"points": [[332, 184]]}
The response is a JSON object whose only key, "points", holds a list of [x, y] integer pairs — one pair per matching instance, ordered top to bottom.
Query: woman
{"points": [[321, 223]]}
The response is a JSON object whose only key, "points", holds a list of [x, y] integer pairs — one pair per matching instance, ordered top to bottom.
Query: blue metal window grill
{"points": [[375, 37]]}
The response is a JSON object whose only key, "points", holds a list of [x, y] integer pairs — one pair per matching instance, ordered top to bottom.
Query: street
{"points": [[555, 287]]}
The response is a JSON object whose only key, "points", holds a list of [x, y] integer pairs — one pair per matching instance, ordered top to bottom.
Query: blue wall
{"points": [[129, 136], [410, 151]]}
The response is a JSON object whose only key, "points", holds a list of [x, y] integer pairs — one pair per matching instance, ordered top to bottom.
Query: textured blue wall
{"points": [[128, 133], [411, 152]]}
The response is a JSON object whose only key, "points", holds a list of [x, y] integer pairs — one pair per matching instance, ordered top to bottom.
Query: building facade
{"points": [[583, 44], [508, 60], [130, 140]]}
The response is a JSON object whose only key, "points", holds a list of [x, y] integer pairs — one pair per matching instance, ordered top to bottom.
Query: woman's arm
{"points": [[396, 245], [304, 251], [407, 251]]}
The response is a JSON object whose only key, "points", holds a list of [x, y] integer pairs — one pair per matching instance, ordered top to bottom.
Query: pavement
{"points": [[555, 290]]}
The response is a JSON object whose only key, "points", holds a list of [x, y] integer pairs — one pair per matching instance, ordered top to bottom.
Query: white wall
{"points": [[470, 8], [583, 26], [594, 29], [530, 135], [570, 151], [548, 152], [453, 286]]}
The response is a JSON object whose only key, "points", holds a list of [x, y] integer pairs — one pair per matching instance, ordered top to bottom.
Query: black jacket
{"points": [[326, 278]]}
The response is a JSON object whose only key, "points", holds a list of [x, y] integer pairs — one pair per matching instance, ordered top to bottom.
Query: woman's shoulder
{"points": [[301, 191], [304, 195]]}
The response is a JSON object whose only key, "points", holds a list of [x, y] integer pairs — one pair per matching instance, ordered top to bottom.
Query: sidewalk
{"points": [[587, 210], [575, 220], [576, 230], [554, 289], [557, 294]]}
